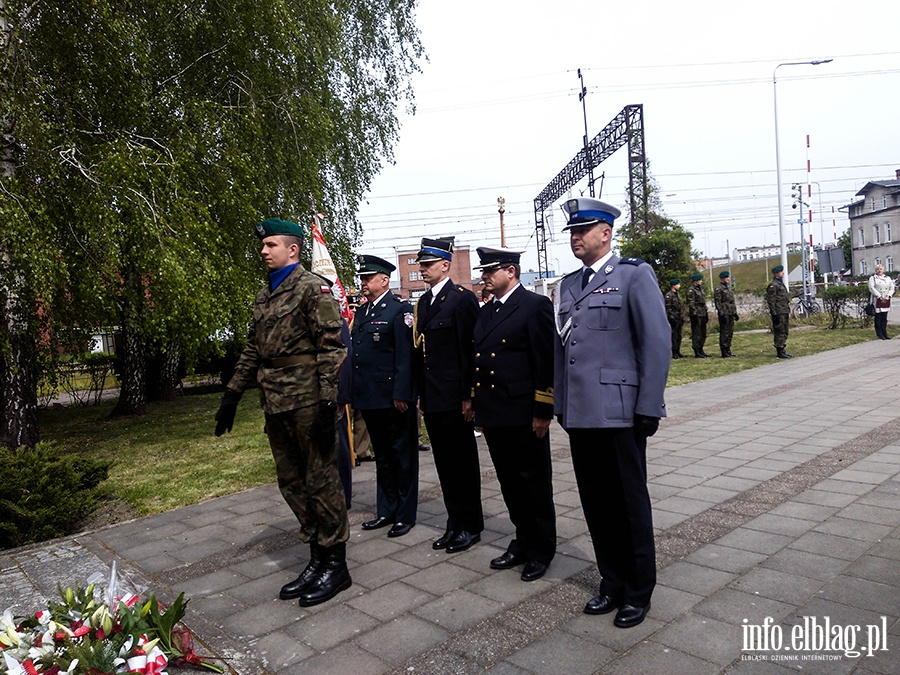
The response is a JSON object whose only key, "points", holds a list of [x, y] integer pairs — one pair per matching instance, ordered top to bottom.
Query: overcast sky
{"points": [[498, 115]]}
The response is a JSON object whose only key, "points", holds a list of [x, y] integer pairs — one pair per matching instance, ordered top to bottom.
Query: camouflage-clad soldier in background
{"points": [[779, 301], [727, 311], [699, 315], [675, 316], [294, 353]]}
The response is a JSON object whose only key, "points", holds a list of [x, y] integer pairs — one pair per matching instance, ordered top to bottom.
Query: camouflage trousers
{"points": [[780, 330], [698, 332], [726, 332], [676, 337], [308, 477]]}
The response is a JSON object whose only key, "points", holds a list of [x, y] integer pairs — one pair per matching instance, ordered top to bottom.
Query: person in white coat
{"points": [[881, 289]]}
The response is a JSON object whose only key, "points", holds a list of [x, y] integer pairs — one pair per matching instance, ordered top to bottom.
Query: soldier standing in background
{"points": [[779, 301], [727, 311], [675, 315], [699, 315], [294, 353], [445, 355], [383, 392]]}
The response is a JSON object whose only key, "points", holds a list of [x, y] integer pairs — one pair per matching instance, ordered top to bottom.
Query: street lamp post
{"points": [[781, 228]]}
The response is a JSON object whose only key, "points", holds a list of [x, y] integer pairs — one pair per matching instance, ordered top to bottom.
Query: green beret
{"points": [[273, 226], [777, 269], [724, 275], [696, 277], [674, 281]]}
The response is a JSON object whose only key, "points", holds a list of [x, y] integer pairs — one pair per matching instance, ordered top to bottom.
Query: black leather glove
{"points": [[736, 317], [227, 409], [324, 424], [645, 426]]}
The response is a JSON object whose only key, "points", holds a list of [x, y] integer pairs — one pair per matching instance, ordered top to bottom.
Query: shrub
{"points": [[845, 302], [43, 493]]}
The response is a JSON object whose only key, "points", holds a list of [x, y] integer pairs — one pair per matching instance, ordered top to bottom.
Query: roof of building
{"points": [[880, 183]]}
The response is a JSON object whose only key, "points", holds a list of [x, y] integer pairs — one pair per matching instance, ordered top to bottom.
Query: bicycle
{"points": [[805, 307]]}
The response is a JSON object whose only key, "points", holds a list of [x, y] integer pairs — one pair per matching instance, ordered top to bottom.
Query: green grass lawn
{"points": [[169, 457]]}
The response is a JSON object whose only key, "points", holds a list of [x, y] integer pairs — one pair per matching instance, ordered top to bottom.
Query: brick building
{"points": [[411, 284]]}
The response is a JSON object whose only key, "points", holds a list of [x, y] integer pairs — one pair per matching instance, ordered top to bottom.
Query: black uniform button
{"points": [[577, 307], [574, 342], [572, 361]]}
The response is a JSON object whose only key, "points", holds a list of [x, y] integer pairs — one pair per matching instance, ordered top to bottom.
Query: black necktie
{"points": [[586, 277]]}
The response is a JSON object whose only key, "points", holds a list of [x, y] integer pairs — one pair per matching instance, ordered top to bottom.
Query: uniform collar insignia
{"points": [[608, 269]]}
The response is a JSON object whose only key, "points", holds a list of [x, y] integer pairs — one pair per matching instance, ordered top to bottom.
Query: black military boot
{"points": [[703, 354], [783, 354], [676, 355], [333, 577], [295, 588]]}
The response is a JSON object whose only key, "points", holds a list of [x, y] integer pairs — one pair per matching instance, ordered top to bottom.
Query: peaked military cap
{"points": [[588, 211], [273, 226], [435, 249], [496, 257], [372, 264], [777, 269], [724, 275], [696, 277], [674, 281]]}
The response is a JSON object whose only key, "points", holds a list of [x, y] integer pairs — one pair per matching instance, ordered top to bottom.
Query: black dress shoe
{"points": [[424, 447], [380, 521], [399, 529], [445, 539], [462, 541], [506, 561], [533, 570], [601, 604], [629, 616]]}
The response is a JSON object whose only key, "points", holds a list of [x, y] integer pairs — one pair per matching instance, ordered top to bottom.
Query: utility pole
{"points": [[582, 94], [501, 202]]}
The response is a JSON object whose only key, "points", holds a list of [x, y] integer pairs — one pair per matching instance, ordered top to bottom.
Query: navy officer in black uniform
{"points": [[445, 320], [611, 362], [382, 390], [514, 405]]}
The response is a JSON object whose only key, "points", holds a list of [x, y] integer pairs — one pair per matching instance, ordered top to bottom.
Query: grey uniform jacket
{"points": [[614, 359]]}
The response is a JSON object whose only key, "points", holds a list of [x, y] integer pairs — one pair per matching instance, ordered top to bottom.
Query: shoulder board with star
{"points": [[631, 261]]}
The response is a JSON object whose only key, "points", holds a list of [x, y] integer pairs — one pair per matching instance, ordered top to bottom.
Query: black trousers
{"points": [[881, 324], [394, 436], [456, 461], [522, 461], [611, 472]]}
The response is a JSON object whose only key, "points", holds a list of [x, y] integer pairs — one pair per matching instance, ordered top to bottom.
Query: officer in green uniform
{"points": [[779, 301], [727, 311], [699, 315], [675, 316], [294, 353]]}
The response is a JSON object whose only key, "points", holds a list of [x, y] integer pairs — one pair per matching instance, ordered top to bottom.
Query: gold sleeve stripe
{"points": [[544, 396]]}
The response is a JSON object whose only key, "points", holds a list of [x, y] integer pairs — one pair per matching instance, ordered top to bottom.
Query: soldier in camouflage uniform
{"points": [[778, 299], [727, 311], [699, 315], [675, 316], [294, 353]]}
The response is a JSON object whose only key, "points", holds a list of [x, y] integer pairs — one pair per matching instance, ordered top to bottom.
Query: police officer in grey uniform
{"points": [[294, 353], [611, 359], [382, 390]]}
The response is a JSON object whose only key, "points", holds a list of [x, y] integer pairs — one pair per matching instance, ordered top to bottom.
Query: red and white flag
{"points": [[323, 265]]}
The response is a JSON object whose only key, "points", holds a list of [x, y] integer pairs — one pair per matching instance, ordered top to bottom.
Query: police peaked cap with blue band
{"points": [[589, 211], [272, 226], [435, 249], [496, 257], [372, 264]]}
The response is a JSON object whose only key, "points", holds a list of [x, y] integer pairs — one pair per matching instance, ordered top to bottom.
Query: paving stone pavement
{"points": [[776, 496]]}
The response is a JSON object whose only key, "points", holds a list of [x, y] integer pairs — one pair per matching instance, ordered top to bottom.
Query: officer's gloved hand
{"points": [[736, 318], [227, 409], [324, 424], [645, 426]]}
